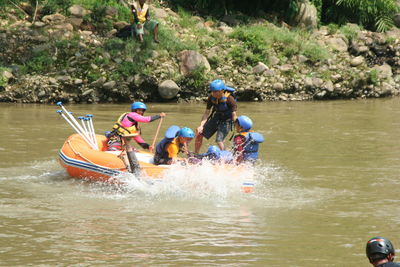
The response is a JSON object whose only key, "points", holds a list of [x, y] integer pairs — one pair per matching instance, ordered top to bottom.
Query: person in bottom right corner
{"points": [[246, 142], [380, 252]]}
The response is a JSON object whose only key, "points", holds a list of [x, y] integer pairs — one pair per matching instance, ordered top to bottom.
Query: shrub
{"points": [[350, 31], [40, 62], [373, 77], [3, 80]]}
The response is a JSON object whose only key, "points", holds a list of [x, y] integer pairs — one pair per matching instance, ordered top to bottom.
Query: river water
{"points": [[328, 181]]}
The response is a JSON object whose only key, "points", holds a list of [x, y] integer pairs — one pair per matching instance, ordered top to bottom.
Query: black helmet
{"points": [[379, 248]]}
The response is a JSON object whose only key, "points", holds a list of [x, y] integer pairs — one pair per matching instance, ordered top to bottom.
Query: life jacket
{"points": [[141, 11], [221, 108], [121, 130], [251, 143], [161, 148]]}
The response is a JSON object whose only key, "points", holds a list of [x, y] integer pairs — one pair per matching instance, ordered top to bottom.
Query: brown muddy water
{"points": [[329, 179]]}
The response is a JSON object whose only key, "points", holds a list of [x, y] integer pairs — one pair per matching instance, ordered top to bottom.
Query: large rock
{"points": [[77, 11], [159, 13], [307, 16], [54, 19], [337, 44], [191, 60], [357, 61], [260, 68], [385, 71], [5, 76], [168, 89]]}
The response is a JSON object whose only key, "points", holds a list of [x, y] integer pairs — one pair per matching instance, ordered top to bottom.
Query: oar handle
{"points": [[156, 135]]}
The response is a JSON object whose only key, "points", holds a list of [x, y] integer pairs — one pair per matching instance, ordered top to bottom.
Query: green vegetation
{"points": [[374, 15], [350, 31], [258, 40], [39, 63], [373, 77], [3, 80]]}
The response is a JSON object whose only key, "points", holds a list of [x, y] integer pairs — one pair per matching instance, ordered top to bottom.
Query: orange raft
{"points": [[82, 161]]}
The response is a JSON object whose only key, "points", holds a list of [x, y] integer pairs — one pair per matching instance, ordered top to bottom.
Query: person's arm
{"points": [[233, 106], [145, 119], [203, 121]]}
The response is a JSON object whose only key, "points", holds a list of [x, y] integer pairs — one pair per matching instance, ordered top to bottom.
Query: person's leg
{"points": [[152, 26], [139, 31], [155, 32], [209, 129], [223, 130], [197, 143]]}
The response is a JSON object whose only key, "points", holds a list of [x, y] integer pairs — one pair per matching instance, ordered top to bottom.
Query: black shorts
{"points": [[215, 125]]}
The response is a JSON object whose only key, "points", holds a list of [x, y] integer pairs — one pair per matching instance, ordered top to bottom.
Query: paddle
{"points": [[155, 136], [133, 161]]}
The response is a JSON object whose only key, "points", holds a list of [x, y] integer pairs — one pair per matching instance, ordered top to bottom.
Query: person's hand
{"points": [[162, 114], [200, 130], [151, 148]]}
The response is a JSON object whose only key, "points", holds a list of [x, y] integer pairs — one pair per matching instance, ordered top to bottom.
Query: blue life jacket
{"points": [[222, 110], [252, 141]]}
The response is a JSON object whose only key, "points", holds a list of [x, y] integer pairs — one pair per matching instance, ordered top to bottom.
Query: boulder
{"points": [[77, 11], [159, 13], [307, 16], [53, 19], [230, 20], [76, 22], [119, 25], [224, 29], [337, 44], [191, 60], [357, 61], [260, 68], [385, 71], [99, 82], [109, 85], [278, 86], [168, 89]]}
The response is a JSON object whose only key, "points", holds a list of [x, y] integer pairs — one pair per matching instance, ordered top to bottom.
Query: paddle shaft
{"points": [[156, 135], [133, 161]]}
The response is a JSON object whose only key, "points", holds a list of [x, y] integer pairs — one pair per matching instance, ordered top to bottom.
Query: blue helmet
{"points": [[217, 85], [138, 105], [245, 122], [186, 132], [214, 150]]}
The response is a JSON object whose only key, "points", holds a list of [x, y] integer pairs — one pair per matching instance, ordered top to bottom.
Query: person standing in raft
{"points": [[141, 20], [224, 107], [128, 125], [175, 141], [245, 144]]}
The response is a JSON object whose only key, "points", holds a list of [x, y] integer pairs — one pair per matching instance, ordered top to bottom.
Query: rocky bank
{"points": [[75, 66]]}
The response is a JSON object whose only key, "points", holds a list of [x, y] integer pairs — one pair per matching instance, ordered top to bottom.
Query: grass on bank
{"points": [[259, 40]]}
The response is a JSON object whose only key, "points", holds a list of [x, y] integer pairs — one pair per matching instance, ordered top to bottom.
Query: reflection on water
{"points": [[328, 181]]}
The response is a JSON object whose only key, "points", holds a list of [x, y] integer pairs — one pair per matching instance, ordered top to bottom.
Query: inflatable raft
{"points": [[83, 162]]}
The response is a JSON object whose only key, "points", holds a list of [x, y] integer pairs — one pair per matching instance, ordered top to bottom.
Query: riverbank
{"points": [[76, 57]]}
